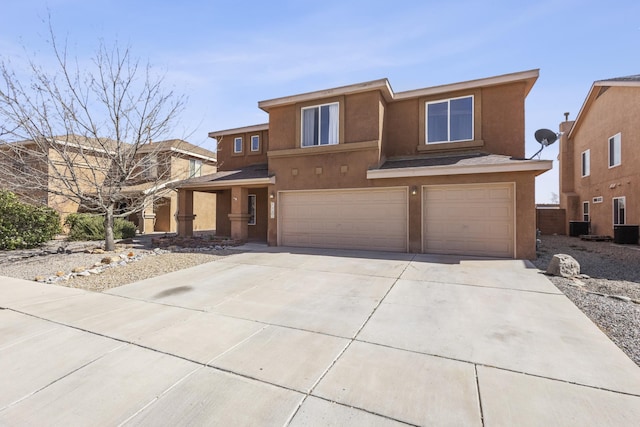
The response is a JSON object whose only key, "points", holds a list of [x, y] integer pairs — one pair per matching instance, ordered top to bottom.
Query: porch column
{"points": [[185, 215], [239, 215], [147, 218]]}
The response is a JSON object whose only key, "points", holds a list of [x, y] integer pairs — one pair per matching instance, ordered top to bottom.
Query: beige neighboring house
{"points": [[600, 158], [166, 162], [433, 170]]}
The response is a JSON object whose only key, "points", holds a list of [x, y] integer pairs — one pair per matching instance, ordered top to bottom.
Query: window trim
{"points": [[448, 101], [318, 106], [255, 137], [617, 137], [235, 144], [585, 167], [251, 209], [586, 213], [616, 215]]}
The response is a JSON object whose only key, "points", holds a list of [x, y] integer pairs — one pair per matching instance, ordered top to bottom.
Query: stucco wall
{"points": [[616, 110], [228, 160]]}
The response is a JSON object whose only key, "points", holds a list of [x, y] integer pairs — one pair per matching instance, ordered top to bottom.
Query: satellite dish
{"points": [[546, 137]]}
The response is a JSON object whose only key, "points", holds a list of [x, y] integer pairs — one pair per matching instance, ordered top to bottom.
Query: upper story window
{"points": [[449, 120], [320, 125], [255, 143], [237, 144], [615, 150], [586, 163], [150, 167], [195, 167]]}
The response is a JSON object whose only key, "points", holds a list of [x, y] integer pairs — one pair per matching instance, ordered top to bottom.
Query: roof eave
{"points": [[529, 77], [380, 84], [591, 97], [245, 129], [539, 166], [227, 183]]}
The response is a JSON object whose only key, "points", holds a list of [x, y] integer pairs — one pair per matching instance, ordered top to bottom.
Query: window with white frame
{"points": [[449, 120], [320, 125], [255, 143], [237, 144], [615, 150], [586, 163], [195, 168], [252, 209], [585, 211], [619, 217]]}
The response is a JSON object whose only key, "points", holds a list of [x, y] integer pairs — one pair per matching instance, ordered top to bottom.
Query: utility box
{"points": [[578, 228], [626, 234]]}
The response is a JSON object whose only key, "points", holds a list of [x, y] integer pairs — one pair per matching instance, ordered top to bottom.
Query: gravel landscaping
{"points": [[57, 261], [610, 293]]}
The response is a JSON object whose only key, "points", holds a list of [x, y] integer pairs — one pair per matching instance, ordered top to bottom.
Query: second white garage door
{"points": [[346, 219], [469, 220]]}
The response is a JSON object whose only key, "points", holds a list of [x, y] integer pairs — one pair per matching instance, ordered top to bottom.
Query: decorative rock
{"points": [[130, 254], [110, 259], [563, 265], [78, 270], [94, 271], [59, 273], [83, 273], [40, 279], [577, 283], [621, 298]]}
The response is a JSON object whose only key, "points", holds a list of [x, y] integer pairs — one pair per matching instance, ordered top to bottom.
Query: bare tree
{"points": [[83, 133]]}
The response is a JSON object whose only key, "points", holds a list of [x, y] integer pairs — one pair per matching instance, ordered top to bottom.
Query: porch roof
{"points": [[459, 164], [249, 175]]}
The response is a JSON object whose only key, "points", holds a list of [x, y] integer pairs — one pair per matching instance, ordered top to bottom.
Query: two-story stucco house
{"points": [[600, 157], [158, 164], [433, 170]]}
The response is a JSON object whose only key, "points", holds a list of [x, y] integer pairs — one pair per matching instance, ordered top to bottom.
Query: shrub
{"points": [[25, 226], [84, 226]]}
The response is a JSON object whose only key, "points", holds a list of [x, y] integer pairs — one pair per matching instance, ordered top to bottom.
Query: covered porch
{"points": [[242, 202]]}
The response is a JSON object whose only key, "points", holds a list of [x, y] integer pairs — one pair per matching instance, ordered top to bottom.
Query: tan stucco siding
{"points": [[615, 111], [229, 160]]}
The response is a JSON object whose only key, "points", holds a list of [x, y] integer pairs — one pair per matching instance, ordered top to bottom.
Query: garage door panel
{"points": [[351, 219], [469, 219]]}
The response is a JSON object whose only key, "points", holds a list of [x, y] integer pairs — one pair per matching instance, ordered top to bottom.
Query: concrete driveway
{"points": [[312, 337]]}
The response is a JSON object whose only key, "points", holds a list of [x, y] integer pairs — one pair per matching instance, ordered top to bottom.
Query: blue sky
{"points": [[225, 56]]}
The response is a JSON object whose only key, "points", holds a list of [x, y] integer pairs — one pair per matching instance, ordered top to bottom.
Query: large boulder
{"points": [[563, 265]]}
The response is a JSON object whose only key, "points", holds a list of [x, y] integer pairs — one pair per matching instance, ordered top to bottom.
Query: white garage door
{"points": [[346, 219], [469, 220]]}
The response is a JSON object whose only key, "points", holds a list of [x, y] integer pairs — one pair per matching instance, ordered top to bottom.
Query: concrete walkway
{"points": [[278, 337]]}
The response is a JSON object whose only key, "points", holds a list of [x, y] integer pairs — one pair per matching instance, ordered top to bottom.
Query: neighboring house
{"points": [[600, 157], [174, 160], [164, 162], [434, 170]]}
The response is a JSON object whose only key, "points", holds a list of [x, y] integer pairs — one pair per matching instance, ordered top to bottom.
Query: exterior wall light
{"points": [[414, 190], [272, 195]]}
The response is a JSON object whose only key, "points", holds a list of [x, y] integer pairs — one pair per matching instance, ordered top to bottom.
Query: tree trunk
{"points": [[109, 243]]}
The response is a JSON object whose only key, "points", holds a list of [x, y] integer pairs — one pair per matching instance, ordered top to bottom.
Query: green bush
{"points": [[25, 226], [84, 226]]}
